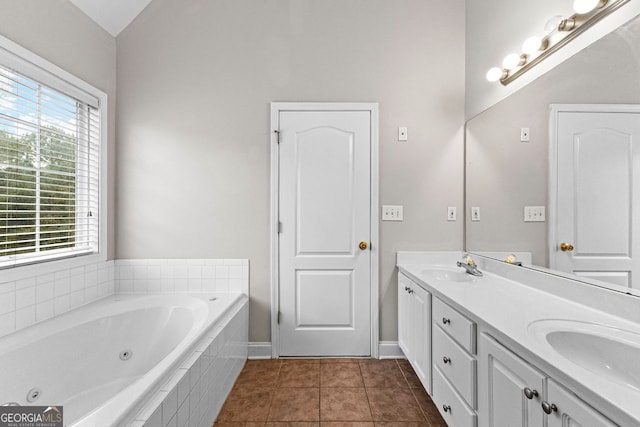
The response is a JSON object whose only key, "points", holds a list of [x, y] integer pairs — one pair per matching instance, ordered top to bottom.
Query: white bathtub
{"points": [[101, 361]]}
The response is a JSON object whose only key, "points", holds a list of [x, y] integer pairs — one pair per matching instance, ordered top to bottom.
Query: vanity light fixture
{"points": [[558, 32]]}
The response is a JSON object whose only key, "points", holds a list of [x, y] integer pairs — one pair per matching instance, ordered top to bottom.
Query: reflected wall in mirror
{"points": [[503, 175]]}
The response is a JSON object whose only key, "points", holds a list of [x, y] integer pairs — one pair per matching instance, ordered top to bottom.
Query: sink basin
{"points": [[448, 275], [609, 352]]}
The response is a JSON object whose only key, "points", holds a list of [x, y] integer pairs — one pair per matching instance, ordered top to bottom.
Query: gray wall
{"points": [[60, 33], [195, 78], [504, 174]]}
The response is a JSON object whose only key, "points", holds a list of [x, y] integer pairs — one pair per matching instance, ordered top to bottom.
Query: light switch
{"points": [[402, 133], [392, 213], [451, 213], [475, 213], [534, 214]]}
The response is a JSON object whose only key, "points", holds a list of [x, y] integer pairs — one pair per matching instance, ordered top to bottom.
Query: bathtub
{"points": [[103, 361]]}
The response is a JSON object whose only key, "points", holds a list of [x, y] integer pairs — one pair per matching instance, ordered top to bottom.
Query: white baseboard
{"points": [[259, 350], [386, 350], [390, 350]]}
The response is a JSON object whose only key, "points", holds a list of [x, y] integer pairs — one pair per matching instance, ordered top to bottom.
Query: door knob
{"points": [[363, 245], [566, 247]]}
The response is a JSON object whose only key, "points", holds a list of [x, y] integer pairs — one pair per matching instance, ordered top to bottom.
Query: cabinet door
{"points": [[404, 314], [421, 339], [502, 380], [571, 411]]}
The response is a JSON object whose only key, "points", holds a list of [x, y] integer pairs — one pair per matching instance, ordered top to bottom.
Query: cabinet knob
{"points": [[406, 288], [410, 290], [445, 320], [446, 360], [529, 393], [549, 407], [446, 408]]}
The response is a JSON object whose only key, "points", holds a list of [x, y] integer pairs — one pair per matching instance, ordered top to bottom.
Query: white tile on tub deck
{"points": [[213, 262], [233, 262], [89, 267], [77, 271], [167, 271], [194, 271], [222, 271], [124, 272], [140, 272], [154, 272], [180, 272], [208, 272], [235, 272], [57, 275], [103, 275], [91, 278], [76, 282], [25, 283], [167, 284], [222, 284], [125, 285], [154, 285], [181, 285], [194, 285], [208, 285], [235, 285], [62, 286], [140, 286], [7, 287], [44, 292], [90, 293], [25, 297], [76, 299], [7, 302], [61, 304], [44, 311], [25, 317], [7, 323], [184, 386], [170, 406], [152, 409], [183, 413], [155, 420]]}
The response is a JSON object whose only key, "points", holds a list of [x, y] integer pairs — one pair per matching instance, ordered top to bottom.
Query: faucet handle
{"points": [[468, 260]]}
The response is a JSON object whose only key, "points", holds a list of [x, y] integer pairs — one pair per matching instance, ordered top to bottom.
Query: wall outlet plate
{"points": [[392, 213], [451, 213], [475, 213], [534, 214]]}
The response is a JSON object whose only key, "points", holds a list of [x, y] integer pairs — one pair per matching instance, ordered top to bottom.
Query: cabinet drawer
{"points": [[458, 327], [459, 368], [457, 413]]}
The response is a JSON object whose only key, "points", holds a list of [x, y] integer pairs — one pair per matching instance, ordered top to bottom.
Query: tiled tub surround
{"points": [[182, 275], [39, 297], [33, 298], [509, 298]]}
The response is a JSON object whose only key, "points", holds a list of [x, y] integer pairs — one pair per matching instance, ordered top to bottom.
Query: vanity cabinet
{"points": [[414, 327], [454, 365], [514, 393]]}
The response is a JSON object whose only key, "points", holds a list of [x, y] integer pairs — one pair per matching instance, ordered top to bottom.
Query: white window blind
{"points": [[49, 172]]}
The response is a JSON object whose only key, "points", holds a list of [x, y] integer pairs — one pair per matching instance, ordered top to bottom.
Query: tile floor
{"points": [[333, 392]]}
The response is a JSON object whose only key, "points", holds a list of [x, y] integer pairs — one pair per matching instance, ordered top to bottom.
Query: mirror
{"points": [[503, 175]]}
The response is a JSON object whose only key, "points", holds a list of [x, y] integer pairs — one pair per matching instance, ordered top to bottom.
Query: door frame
{"points": [[276, 109], [552, 202]]}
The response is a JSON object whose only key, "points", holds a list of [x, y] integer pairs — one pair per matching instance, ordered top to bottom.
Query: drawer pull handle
{"points": [[406, 288], [410, 290], [445, 320], [446, 360], [530, 394], [549, 407], [446, 408]]}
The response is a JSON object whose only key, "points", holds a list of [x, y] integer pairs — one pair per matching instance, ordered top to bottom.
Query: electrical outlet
{"points": [[402, 133], [524, 134], [392, 213], [451, 213], [475, 213], [534, 214]]}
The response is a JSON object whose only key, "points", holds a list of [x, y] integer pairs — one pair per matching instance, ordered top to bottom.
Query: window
{"points": [[49, 167]]}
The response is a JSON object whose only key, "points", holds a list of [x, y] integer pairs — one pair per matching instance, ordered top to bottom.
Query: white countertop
{"points": [[509, 307]]}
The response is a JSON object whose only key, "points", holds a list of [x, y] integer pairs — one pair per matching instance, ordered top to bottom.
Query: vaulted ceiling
{"points": [[112, 15]]}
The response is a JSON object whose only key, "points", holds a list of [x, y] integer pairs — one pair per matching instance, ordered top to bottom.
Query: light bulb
{"points": [[586, 6], [552, 24], [531, 45], [511, 61], [494, 74]]}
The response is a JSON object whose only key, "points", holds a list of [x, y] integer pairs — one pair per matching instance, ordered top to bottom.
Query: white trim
{"points": [[372, 108], [552, 202], [259, 350], [390, 350]]}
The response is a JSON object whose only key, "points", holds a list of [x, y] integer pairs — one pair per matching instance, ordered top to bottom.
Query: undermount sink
{"points": [[448, 275], [609, 352]]}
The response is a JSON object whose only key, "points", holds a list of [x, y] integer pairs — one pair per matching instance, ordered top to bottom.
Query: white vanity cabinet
{"points": [[414, 327], [454, 365], [514, 393]]}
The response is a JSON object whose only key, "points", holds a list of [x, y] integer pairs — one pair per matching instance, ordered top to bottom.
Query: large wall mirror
{"points": [[503, 174]]}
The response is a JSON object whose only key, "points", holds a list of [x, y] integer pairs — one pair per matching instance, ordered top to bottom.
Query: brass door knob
{"points": [[363, 245], [566, 247]]}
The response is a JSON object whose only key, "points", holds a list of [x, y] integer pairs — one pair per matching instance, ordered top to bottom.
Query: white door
{"points": [[598, 177], [325, 232], [571, 411]]}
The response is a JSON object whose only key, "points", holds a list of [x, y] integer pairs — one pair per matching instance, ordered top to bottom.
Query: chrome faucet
{"points": [[470, 266], [10, 404]]}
